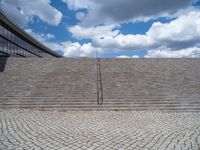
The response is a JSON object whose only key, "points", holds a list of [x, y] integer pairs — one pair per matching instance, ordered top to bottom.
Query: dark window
{"points": [[1, 30], [15, 45]]}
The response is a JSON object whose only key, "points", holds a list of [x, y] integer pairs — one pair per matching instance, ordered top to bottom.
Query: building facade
{"points": [[15, 42]]}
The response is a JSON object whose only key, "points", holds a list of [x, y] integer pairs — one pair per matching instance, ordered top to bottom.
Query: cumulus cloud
{"points": [[78, 4], [23, 11], [109, 11], [80, 15], [100, 22], [99, 32], [181, 33], [50, 36], [41, 37], [69, 49], [77, 50], [193, 52], [125, 56]]}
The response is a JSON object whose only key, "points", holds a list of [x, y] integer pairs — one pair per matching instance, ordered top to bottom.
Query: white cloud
{"points": [[77, 4], [23, 11], [109, 11], [80, 15], [102, 20], [93, 32], [181, 33], [50, 36], [41, 37], [178, 38], [44, 39], [124, 42], [68, 48], [77, 50], [188, 52], [122, 56], [125, 56], [135, 56]]}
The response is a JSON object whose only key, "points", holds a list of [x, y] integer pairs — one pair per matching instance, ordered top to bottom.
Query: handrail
{"points": [[99, 83]]}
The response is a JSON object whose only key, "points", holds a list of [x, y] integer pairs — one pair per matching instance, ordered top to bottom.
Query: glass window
{"points": [[1, 30], [4, 31], [8, 35], [13, 37], [20, 42], [1, 44], [5, 45], [25, 45], [9, 47], [29, 47], [15, 49], [22, 52]]}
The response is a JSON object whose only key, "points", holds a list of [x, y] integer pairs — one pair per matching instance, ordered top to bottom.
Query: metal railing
{"points": [[99, 83]]}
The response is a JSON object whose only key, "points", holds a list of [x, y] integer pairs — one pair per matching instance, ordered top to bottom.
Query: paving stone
{"points": [[99, 130]]}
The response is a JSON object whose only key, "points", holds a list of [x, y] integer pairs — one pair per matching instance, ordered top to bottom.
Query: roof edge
{"points": [[26, 35]]}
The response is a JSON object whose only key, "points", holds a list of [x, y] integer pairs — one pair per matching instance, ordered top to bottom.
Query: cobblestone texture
{"points": [[25, 129]]}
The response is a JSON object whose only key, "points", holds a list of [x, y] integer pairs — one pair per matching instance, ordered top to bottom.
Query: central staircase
{"points": [[171, 85]]}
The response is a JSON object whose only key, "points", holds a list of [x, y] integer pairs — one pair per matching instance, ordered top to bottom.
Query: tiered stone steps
{"points": [[48, 84], [128, 84], [151, 84]]}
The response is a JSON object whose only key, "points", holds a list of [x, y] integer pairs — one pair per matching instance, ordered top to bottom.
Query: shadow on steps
{"points": [[3, 61]]}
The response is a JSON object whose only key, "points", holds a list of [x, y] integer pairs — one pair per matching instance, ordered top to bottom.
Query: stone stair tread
{"points": [[128, 84]]}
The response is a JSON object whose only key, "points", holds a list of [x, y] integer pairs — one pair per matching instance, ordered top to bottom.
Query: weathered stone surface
{"points": [[48, 83], [128, 84], [151, 84], [23, 129]]}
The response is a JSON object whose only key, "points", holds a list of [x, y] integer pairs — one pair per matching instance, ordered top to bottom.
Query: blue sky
{"points": [[123, 29]]}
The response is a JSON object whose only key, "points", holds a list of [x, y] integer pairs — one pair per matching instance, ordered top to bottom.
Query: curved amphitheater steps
{"points": [[128, 84]]}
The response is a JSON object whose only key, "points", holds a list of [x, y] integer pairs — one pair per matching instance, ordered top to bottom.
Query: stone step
{"points": [[70, 84], [126, 100], [90, 105], [94, 105], [99, 108]]}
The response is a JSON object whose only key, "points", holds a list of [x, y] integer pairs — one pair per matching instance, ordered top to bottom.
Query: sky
{"points": [[112, 28]]}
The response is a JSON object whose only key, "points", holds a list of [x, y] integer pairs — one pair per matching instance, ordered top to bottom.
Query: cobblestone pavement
{"points": [[23, 129]]}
